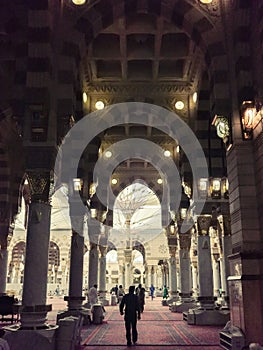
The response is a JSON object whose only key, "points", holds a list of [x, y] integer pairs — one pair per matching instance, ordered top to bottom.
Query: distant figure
{"points": [[152, 289], [115, 290], [57, 291], [140, 292], [165, 292], [121, 293], [93, 295], [132, 313]]}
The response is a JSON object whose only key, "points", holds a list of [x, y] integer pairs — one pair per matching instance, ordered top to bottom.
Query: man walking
{"points": [[132, 312]]}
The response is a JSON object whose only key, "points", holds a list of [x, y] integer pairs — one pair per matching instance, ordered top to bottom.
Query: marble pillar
{"points": [[93, 232], [226, 251], [93, 264], [128, 268], [3, 269], [102, 275], [216, 275], [172, 276], [146, 277], [195, 279], [75, 297], [186, 300], [34, 313], [206, 314]]}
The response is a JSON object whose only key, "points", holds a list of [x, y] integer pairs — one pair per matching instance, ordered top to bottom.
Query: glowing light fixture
{"points": [[206, 1], [78, 2], [84, 97], [194, 97], [99, 105], [179, 105], [248, 113], [178, 149], [167, 153], [108, 154], [114, 181], [159, 181], [77, 184]]}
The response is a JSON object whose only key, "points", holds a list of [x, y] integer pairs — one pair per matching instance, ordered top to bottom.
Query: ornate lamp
{"points": [[248, 114]]}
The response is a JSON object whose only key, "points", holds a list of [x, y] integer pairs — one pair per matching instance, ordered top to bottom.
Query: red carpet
{"points": [[158, 329]]}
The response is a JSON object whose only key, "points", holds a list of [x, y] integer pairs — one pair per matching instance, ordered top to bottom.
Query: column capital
{"points": [[39, 181], [203, 224], [185, 240], [103, 250], [172, 250]]}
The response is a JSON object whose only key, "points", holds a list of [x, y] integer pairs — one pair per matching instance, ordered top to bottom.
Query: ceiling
{"points": [[142, 47], [142, 58]]}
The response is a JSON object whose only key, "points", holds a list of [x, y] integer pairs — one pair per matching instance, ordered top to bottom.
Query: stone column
{"points": [[94, 232], [225, 252], [93, 264], [128, 268], [3, 269], [102, 275], [122, 275], [172, 275], [216, 275], [154, 276], [146, 277], [195, 278], [206, 291], [75, 297], [186, 301], [34, 308], [34, 313], [206, 314]]}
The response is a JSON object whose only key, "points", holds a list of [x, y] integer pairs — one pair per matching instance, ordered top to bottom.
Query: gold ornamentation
{"points": [[203, 224]]}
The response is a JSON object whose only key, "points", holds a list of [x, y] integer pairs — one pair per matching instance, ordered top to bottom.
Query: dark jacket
{"points": [[131, 304]]}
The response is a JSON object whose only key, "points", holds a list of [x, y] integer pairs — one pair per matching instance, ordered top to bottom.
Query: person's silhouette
{"points": [[132, 313]]}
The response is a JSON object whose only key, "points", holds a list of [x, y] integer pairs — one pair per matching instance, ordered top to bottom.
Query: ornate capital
{"points": [[39, 185], [203, 224], [185, 240], [103, 250], [172, 251]]}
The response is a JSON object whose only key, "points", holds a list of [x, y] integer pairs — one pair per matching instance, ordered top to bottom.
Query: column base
{"points": [[102, 298], [173, 299], [207, 302], [74, 303], [183, 305], [34, 317], [207, 317], [232, 337], [40, 339]]}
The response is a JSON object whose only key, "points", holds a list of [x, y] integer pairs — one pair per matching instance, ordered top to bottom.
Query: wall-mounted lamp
{"points": [[248, 112], [77, 184], [203, 187], [215, 188], [184, 205]]}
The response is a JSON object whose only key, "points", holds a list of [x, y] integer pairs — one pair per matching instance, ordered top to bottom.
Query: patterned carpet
{"points": [[158, 328]]}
